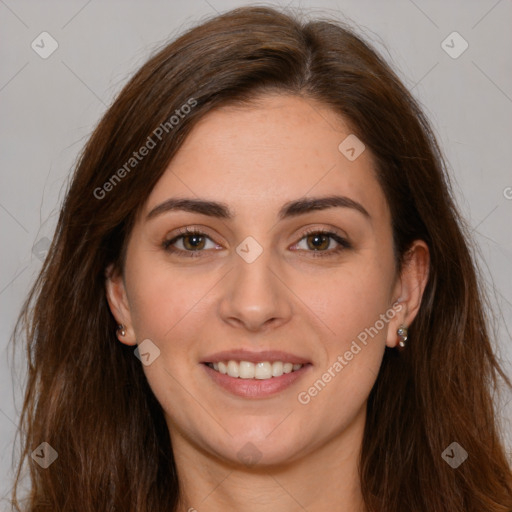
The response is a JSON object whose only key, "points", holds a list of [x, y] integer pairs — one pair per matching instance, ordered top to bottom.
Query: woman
{"points": [[260, 294]]}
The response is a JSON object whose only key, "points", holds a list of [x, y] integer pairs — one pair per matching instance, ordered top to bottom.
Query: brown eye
{"points": [[319, 241], [193, 243]]}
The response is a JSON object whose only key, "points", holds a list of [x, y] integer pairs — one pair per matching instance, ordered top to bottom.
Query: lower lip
{"points": [[256, 388]]}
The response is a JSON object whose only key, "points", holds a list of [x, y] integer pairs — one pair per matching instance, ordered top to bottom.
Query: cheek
{"points": [[161, 298], [348, 300], [153, 305], [165, 308], [355, 309], [355, 313]]}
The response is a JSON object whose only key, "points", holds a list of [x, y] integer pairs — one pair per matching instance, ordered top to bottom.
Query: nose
{"points": [[255, 296]]}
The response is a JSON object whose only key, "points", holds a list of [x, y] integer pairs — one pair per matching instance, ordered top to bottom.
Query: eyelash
{"points": [[342, 243]]}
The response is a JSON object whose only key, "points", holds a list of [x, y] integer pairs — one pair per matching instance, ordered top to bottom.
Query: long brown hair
{"points": [[87, 395]]}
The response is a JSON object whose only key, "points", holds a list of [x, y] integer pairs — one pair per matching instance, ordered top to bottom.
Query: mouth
{"points": [[262, 370], [255, 375]]}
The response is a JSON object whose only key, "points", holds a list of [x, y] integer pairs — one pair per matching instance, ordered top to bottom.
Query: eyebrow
{"points": [[289, 209]]}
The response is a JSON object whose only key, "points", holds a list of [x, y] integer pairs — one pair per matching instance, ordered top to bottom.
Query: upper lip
{"points": [[255, 357]]}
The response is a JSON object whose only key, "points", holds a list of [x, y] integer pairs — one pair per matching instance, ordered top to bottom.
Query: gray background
{"points": [[50, 106]]}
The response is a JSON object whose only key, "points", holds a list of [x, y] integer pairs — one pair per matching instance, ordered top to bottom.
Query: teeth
{"points": [[223, 368], [233, 369], [277, 369], [247, 370], [263, 371]]}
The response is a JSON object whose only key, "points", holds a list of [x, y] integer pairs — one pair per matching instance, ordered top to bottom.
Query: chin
{"points": [[263, 448]]}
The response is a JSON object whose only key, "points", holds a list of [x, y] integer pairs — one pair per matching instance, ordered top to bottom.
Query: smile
{"points": [[247, 370], [258, 380]]}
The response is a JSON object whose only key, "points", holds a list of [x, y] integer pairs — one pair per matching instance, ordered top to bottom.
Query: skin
{"points": [[256, 158]]}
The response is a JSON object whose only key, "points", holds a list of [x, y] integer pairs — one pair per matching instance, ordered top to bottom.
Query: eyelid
{"points": [[325, 230]]}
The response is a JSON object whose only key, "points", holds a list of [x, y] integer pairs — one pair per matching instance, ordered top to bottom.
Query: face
{"points": [[264, 282]]}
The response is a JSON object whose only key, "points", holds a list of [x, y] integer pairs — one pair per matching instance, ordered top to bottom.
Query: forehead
{"points": [[258, 156]]}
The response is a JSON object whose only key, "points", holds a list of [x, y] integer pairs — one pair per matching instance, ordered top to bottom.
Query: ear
{"points": [[409, 289], [118, 303]]}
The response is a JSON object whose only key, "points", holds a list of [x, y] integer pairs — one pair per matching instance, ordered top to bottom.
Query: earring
{"points": [[121, 331], [402, 333]]}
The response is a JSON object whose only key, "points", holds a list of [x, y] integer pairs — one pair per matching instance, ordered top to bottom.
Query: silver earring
{"points": [[121, 330], [402, 333]]}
